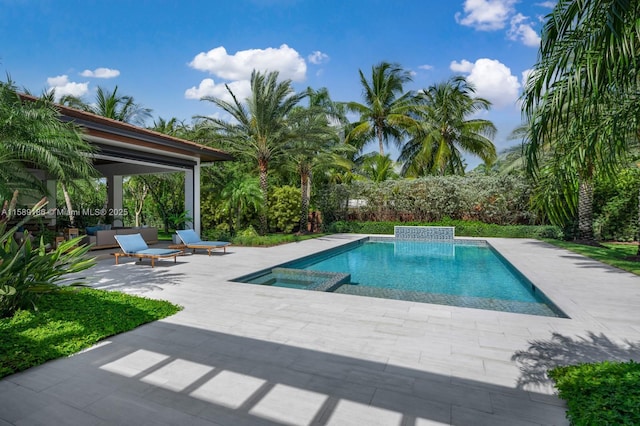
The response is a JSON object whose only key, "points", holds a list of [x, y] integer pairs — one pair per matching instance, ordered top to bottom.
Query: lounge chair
{"points": [[191, 240], [133, 245]]}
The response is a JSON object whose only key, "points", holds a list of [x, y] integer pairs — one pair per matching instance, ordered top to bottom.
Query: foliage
{"points": [[111, 105], [385, 113], [259, 129], [444, 129], [31, 133], [489, 199], [616, 206], [285, 208], [179, 220], [463, 228], [271, 239], [619, 255], [27, 271], [70, 320], [605, 393]]}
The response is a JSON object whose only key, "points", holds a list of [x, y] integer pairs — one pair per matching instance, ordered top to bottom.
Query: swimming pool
{"points": [[468, 273]]}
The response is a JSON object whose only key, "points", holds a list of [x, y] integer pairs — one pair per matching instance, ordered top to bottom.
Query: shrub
{"points": [[500, 200], [284, 209], [463, 228], [26, 272], [606, 393]]}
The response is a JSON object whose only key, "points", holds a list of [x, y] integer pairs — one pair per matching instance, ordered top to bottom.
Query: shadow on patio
{"points": [[543, 355], [172, 374]]}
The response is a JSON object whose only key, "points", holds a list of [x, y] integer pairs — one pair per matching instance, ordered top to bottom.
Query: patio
{"points": [[241, 354]]}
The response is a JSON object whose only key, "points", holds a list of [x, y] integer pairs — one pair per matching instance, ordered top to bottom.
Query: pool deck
{"points": [[242, 354]]}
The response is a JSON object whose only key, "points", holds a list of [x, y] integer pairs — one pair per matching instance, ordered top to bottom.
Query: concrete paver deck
{"points": [[241, 354]]}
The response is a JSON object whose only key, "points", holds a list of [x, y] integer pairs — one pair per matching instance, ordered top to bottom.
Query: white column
{"points": [[189, 197], [114, 198], [196, 198]]}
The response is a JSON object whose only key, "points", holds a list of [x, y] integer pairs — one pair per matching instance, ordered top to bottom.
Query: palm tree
{"points": [[586, 75], [111, 105], [386, 109], [171, 127], [260, 130], [443, 130], [32, 135], [315, 147], [378, 168], [239, 197]]}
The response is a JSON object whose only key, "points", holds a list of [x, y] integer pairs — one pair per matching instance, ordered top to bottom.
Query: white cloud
{"points": [[548, 4], [486, 15], [522, 30], [317, 57], [285, 60], [426, 67], [100, 73], [492, 79], [63, 86], [240, 88]]}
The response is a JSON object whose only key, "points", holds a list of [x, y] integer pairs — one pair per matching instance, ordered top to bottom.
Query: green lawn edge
{"points": [[613, 254], [70, 320]]}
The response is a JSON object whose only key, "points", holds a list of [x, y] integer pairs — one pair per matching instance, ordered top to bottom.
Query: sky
{"points": [[168, 54]]}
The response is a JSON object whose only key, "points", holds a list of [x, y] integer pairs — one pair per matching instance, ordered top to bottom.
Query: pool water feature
{"points": [[468, 273]]}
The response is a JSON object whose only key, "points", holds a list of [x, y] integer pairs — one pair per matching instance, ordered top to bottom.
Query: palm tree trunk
{"points": [[380, 139], [67, 200], [304, 205], [585, 211], [264, 224], [638, 253]]}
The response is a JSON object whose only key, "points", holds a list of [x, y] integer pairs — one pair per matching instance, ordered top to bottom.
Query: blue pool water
{"points": [[453, 273]]}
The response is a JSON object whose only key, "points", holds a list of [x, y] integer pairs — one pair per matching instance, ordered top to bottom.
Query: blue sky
{"points": [[167, 54]]}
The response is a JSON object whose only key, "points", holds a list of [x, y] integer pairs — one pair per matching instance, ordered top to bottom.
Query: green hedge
{"points": [[502, 200], [463, 228], [606, 393]]}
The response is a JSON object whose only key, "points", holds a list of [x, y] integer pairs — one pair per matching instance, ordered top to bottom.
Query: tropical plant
{"points": [[586, 75], [111, 105], [385, 113], [259, 129], [444, 130], [32, 135], [315, 148], [377, 168], [240, 197], [28, 271]]}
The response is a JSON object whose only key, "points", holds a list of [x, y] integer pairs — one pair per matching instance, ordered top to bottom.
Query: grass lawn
{"points": [[613, 254], [70, 320]]}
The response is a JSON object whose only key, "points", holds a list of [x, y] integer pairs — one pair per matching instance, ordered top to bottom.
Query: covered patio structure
{"points": [[123, 149]]}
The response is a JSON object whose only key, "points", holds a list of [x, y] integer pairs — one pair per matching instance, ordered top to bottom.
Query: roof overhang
{"points": [[117, 139]]}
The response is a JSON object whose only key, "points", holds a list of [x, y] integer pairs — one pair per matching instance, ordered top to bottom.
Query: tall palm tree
{"points": [[385, 112], [259, 129], [444, 129], [32, 135], [316, 146]]}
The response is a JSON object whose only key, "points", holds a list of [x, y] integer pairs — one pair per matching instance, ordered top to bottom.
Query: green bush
{"points": [[502, 200], [284, 208], [463, 228], [606, 393]]}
